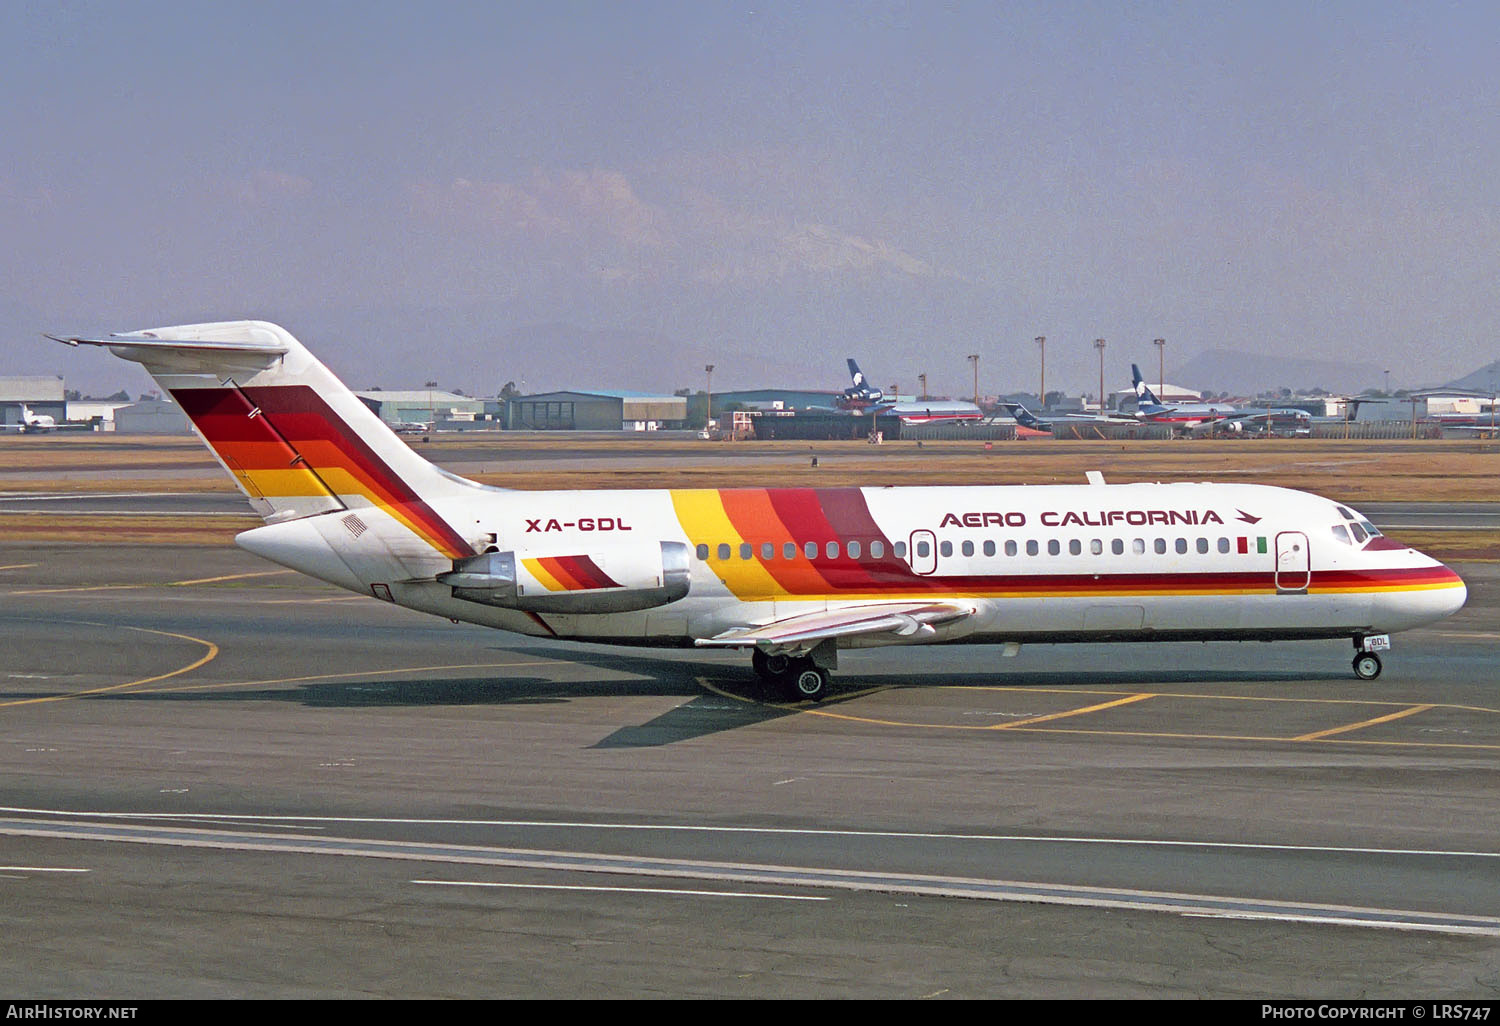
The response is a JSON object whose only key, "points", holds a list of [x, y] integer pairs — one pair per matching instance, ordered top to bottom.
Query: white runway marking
{"points": [[304, 821], [41, 869], [930, 885], [673, 891]]}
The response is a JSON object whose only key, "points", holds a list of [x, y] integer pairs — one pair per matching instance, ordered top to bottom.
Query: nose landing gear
{"points": [[1366, 662]]}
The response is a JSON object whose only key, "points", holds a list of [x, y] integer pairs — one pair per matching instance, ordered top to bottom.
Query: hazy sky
{"points": [[597, 194]]}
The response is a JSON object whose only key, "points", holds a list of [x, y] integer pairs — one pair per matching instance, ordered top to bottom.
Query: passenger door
{"points": [[923, 554], [1293, 565]]}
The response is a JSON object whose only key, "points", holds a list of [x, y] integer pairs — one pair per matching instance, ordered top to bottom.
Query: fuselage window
{"points": [[1341, 533], [1223, 544], [1160, 545], [1117, 546], [1138, 546], [1181, 546], [1202, 546], [989, 547], [1031, 547], [1054, 547], [1075, 547], [1096, 547], [945, 548], [967, 548], [1010, 548], [898, 549], [923, 549], [767, 550], [789, 550], [810, 550], [831, 550], [853, 550], [877, 550], [702, 551], [747, 551], [723, 553]]}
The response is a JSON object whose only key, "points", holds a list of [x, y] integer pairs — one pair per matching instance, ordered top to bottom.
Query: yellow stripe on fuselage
{"points": [[701, 514], [540, 572]]}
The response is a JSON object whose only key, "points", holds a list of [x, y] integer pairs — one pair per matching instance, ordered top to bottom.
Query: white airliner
{"points": [[862, 398], [1215, 418], [32, 422], [793, 574]]}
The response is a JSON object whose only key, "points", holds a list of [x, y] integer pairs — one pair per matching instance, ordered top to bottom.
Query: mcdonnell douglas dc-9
{"points": [[792, 574]]}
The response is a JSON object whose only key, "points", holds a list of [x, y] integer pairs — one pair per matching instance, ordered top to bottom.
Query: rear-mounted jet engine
{"points": [[609, 579]]}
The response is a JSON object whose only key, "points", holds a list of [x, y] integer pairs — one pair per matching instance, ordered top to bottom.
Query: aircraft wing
{"points": [[1097, 418], [901, 622]]}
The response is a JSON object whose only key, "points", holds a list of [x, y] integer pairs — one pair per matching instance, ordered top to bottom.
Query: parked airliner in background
{"points": [[862, 398], [1219, 418], [31, 422], [1028, 424], [793, 574]]}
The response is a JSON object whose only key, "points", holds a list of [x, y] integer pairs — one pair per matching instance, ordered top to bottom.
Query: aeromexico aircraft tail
{"points": [[859, 388], [1143, 392], [294, 438]]}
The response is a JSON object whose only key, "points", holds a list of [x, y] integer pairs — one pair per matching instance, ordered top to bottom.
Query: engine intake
{"points": [[610, 579]]}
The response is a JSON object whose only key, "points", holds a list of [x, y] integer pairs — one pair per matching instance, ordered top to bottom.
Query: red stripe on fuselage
{"points": [[319, 436]]}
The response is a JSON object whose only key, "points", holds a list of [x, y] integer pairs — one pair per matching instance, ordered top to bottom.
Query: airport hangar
{"points": [[43, 396], [602, 410]]}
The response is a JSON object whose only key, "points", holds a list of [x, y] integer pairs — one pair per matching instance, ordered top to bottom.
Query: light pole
{"points": [[1099, 345], [974, 359], [1161, 367], [923, 379], [1387, 383], [1041, 396], [708, 409]]}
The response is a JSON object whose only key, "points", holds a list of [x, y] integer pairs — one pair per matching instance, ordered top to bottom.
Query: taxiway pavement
{"points": [[223, 779]]}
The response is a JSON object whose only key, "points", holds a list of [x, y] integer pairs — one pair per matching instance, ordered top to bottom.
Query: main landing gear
{"points": [[1366, 662], [801, 678]]}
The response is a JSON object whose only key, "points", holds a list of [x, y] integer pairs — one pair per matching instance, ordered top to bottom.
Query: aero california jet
{"points": [[792, 574]]}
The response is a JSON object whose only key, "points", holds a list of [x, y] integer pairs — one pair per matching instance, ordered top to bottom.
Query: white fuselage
{"points": [[1047, 563]]}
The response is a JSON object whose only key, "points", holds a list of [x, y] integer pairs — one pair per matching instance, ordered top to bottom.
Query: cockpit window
{"points": [[1345, 513], [1371, 529], [1358, 532], [1341, 533]]}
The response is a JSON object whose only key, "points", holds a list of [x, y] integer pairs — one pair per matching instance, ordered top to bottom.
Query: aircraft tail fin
{"points": [[856, 376], [1143, 392], [1025, 417], [295, 439]]}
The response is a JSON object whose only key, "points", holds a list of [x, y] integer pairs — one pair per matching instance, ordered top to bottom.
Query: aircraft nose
{"points": [[1457, 595], [1446, 597]]}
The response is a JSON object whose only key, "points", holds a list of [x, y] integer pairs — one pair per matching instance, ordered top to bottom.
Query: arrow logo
{"points": [[1247, 518]]}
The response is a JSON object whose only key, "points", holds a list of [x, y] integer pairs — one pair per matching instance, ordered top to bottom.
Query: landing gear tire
{"points": [[1366, 665], [769, 667], [807, 682]]}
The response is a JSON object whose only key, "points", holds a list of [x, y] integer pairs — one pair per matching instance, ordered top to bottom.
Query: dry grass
{"points": [[1355, 471]]}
